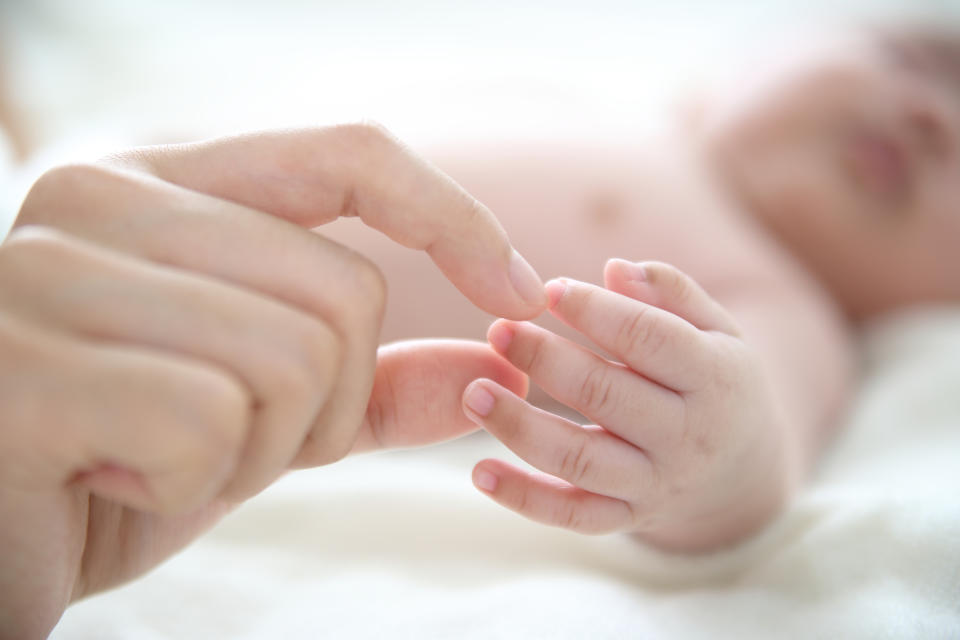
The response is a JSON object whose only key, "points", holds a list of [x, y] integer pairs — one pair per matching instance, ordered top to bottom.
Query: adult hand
{"points": [[172, 337]]}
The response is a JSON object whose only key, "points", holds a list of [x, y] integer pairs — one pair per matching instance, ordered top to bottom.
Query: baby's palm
{"points": [[688, 450]]}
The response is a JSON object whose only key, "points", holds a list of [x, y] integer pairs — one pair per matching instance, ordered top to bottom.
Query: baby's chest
{"points": [[570, 227]]}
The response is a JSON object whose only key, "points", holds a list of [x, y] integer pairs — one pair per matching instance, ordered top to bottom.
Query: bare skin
{"points": [[814, 196], [571, 208], [173, 339], [713, 356]]}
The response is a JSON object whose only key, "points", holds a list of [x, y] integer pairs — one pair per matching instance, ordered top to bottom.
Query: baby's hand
{"points": [[689, 450]]}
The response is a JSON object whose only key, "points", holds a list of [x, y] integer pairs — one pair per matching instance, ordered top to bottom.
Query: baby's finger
{"points": [[663, 285], [655, 343], [417, 391], [607, 393], [590, 458], [551, 501]]}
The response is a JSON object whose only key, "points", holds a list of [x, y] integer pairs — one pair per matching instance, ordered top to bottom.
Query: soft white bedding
{"points": [[400, 545]]}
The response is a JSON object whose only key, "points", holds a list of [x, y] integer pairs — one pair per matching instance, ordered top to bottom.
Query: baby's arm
{"points": [[694, 447]]}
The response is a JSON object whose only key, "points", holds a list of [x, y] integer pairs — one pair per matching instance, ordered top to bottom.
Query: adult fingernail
{"points": [[633, 270], [526, 282], [479, 400], [485, 480]]}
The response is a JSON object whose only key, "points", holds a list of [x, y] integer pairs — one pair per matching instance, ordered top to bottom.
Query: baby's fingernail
{"points": [[633, 270], [525, 281], [555, 290], [500, 336], [479, 400], [485, 480]]}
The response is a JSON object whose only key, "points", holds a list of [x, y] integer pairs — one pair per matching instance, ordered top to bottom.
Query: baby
{"points": [[170, 287], [717, 355]]}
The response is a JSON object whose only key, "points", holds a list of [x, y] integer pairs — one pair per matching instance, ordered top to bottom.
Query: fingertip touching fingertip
{"points": [[526, 282]]}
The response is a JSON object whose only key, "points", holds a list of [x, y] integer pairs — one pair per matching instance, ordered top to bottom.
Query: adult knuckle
{"points": [[370, 128], [368, 134], [372, 152], [58, 181], [57, 187], [475, 213], [31, 237], [29, 244], [369, 284], [362, 296], [318, 353], [292, 380], [22, 405], [222, 411], [212, 421], [330, 440], [328, 447], [183, 488], [171, 497]]}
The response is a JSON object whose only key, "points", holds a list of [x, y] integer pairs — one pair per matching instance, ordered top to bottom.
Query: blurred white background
{"points": [[86, 77]]}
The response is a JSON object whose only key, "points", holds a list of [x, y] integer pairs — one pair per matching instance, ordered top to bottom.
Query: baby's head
{"points": [[850, 154]]}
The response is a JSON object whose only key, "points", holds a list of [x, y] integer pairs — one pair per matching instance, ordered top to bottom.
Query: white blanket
{"points": [[399, 545]]}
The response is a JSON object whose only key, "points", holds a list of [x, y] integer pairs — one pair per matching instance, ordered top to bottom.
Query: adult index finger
{"points": [[312, 176]]}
